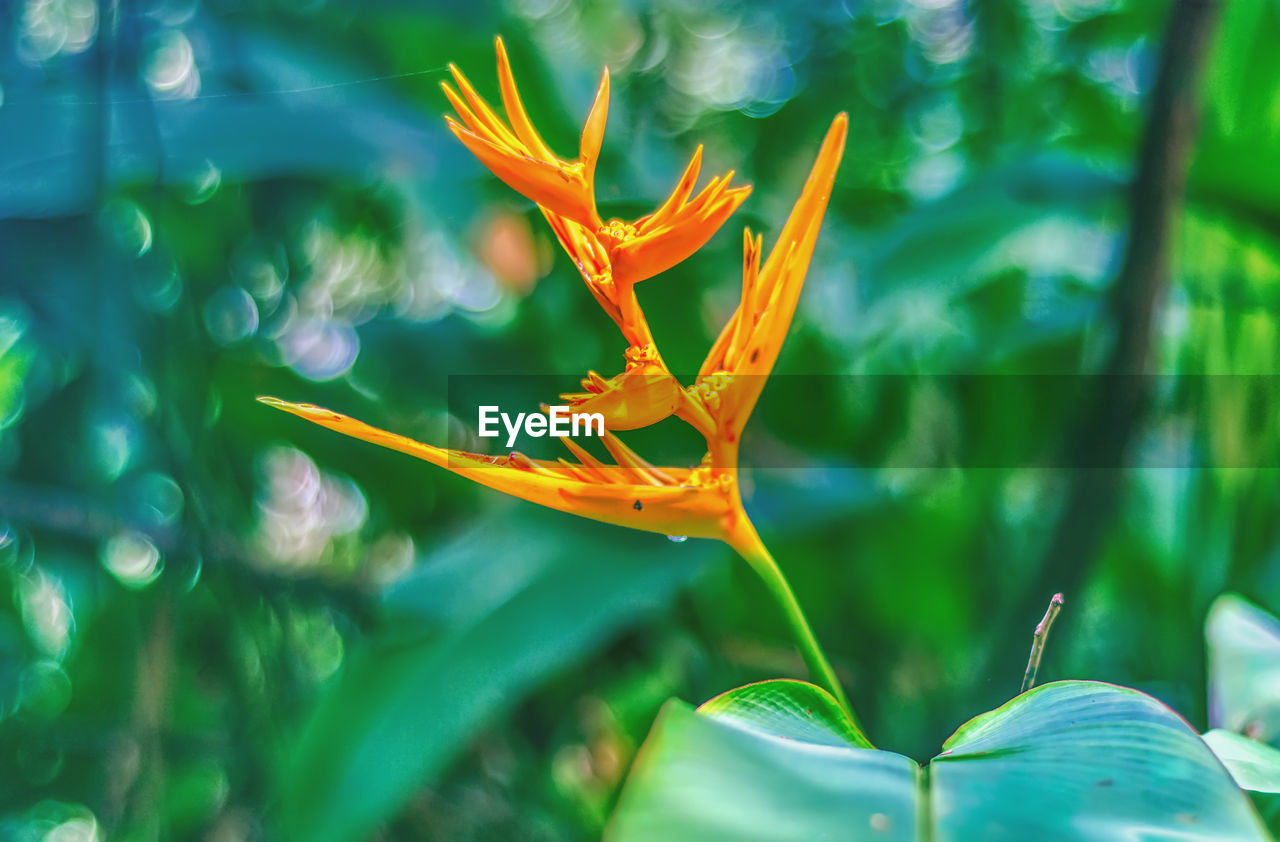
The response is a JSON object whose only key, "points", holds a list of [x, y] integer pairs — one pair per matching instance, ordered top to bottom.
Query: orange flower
{"points": [[517, 154], [612, 257], [702, 502]]}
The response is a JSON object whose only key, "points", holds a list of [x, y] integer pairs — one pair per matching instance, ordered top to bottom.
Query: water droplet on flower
{"points": [[679, 539]]}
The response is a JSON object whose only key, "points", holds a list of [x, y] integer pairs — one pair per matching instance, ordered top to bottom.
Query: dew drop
{"points": [[678, 539]]}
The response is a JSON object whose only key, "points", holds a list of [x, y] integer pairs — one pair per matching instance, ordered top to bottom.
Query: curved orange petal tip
{"points": [[514, 106], [593, 128], [514, 151], [517, 154], [559, 188], [678, 228], [688, 229], [748, 346], [670, 501]]}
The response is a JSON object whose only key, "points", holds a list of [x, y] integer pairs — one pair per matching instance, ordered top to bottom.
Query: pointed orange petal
{"points": [[485, 115], [469, 118], [520, 121], [593, 129], [546, 184], [708, 193], [680, 195], [806, 217], [657, 251], [771, 292], [750, 293], [716, 359], [640, 397], [630, 459], [591, 464], [577, 471], [699, 512]]}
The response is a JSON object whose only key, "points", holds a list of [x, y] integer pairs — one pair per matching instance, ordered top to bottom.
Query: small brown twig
{"points": [[1038, 641]]}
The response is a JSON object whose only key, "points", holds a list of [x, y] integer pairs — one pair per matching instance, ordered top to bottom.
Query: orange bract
{"points": [[517, 154], [743, 356], [644, 394], [671, 501]]}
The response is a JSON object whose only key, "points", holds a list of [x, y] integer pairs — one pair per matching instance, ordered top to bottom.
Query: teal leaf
{"points": [[1244, 668], [794, 710], [1081, 760], [1071, 761], [1254, 765], [704, 778]]}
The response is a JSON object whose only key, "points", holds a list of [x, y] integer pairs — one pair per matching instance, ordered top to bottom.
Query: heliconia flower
{"points": [[631, 251], [633, 493], [700, 502]]}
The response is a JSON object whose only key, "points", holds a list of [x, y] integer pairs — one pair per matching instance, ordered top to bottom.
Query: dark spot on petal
{"points": [[755, 355], [638, 506], [1105, 782]]}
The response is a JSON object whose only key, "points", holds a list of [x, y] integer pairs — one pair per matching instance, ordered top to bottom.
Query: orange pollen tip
{"points": [[618, 230], [640, 354], [704, 477]]}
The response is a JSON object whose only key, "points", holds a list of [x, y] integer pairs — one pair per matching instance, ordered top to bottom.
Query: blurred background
{"points": [[218, 622]]}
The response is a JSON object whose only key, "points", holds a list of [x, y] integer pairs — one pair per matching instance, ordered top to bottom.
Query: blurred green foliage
{"points": [[220, 623]]}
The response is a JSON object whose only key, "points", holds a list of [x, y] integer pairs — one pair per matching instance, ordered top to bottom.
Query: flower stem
{"points": [[747, 543]]}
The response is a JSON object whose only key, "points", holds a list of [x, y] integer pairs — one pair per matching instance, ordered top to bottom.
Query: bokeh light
{"points": [[301, 510], [132, 558]]}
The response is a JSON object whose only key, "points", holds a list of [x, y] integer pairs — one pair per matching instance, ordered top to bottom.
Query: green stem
{"points": [[747, 543]]}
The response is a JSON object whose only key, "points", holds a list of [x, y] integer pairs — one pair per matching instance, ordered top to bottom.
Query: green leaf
{"points": [[1244, 668], [410, 700], [795, 710], [1082, 760], [1070, 761], [1254, 765], [705, 778]]}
